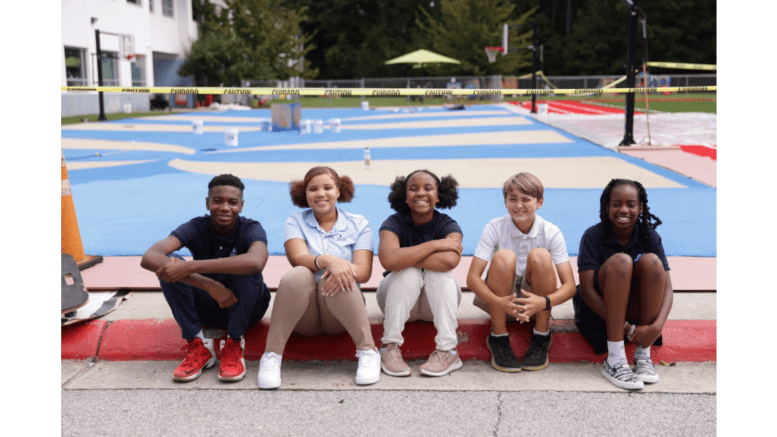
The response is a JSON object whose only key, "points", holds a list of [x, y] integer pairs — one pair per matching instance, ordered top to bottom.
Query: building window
{"points": [[137, 2], [167, 8], [75, 66], [110, 66], [138, 66]]}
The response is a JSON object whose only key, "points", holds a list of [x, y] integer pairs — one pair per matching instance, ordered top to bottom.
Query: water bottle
{"points": [[366, 157]]}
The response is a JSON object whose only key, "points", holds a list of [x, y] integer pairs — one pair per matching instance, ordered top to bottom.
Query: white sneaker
{"points": [[369, 367], [270, 371], [621, 376]]}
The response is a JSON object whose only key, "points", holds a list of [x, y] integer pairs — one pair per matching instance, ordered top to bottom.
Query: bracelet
{"points": [[315, 262], [547, 303], [631, 331]]}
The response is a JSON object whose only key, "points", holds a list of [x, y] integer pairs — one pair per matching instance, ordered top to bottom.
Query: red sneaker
{"points": [[199, 356], [233, 365]]}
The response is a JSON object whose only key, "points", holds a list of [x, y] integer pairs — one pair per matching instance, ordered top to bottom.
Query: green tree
{"points": [[463, 30], [591, 36], [353, 38], [248, 40]]}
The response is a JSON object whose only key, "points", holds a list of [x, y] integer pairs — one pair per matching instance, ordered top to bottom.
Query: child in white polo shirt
{"points": [[523, 249]]}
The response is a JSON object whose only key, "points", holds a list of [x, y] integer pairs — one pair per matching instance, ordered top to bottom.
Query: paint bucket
{"points": [[365, 105], [542, 108], [335, 124], [265, 125], [318, 126], [197, 127], [304, 127], [230, 136]]}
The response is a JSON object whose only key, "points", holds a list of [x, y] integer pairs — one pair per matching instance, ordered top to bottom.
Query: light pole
{"points": [[635, 13], [533, 48], [100, 76]]}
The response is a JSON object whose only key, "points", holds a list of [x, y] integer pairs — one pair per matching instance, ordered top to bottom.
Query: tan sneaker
{"points": [[392, 363], [440, 363]]}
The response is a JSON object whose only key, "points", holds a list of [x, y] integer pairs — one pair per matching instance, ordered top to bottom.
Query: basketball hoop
{"points": [[492, 51]]}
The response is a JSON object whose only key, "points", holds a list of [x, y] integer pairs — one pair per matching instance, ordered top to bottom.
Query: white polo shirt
{"points": [[501, 233]]}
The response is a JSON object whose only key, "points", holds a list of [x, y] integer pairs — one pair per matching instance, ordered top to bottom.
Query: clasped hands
{"points": [[340, 275], [522, 308]]}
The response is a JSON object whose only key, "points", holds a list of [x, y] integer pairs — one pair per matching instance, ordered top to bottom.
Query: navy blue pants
{"points": [[193, 307]]}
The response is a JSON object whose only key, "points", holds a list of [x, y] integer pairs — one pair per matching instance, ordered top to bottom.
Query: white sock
{"points": [[544, 334], [200, 335], [500, 335], [454, 351], [644, 351], [616, 352]]}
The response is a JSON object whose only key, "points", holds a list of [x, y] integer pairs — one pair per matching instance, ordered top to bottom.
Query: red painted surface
{"points": [[572, 107], [709, 152], [155, 340], [80, 341]]}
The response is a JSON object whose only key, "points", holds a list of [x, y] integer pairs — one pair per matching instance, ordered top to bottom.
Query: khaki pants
{"points": [[416, 294], [300, 307]]}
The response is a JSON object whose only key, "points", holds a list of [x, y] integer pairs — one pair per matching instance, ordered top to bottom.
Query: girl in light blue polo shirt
{"points": [[331, 252]]}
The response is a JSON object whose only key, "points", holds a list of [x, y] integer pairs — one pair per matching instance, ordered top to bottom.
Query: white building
{"points": [[143, 43]]}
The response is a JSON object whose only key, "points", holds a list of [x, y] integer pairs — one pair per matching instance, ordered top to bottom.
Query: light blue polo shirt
{"points": [[350, 232]]}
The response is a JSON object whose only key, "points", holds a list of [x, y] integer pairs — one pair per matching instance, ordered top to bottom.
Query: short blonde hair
{"points": [[526, 183]]}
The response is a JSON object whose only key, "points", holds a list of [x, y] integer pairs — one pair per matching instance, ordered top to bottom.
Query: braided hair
{"points": [[447, 191], [646, 221]]}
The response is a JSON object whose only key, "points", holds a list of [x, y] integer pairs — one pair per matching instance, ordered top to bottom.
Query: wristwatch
{"points": [[547, 303]]}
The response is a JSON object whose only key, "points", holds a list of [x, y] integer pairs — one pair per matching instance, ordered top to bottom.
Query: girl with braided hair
{"points": [[419, 248], [625, 289]]}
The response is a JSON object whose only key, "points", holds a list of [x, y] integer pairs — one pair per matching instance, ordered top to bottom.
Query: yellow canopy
{"points": [[422, 57]]}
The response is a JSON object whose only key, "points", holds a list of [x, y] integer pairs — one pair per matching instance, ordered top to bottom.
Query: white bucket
{"points": [[365, 106], [128, 108], [542, 108], [335, 124], [318, 126], [197, 127], [304, 127], [230, 136]]}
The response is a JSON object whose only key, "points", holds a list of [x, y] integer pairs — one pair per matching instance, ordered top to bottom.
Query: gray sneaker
{"points": [[392, 363], [440, 363], [644, 369], [621, 376]]}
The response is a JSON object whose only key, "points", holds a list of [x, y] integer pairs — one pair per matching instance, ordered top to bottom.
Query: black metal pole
{"points": [[534, 67], [100, 76], [628, 137]]}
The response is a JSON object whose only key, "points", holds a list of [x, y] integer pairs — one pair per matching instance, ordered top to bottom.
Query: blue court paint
{"points": [[123, 210]]}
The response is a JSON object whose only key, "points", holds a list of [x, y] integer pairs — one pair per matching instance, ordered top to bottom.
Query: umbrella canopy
{"points": [[422, 57]]}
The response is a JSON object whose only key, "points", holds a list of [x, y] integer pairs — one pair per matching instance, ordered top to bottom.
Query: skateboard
{"points": [[74, 294]]}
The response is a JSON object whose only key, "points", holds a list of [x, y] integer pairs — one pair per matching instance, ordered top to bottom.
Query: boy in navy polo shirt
{"points": [[221, 287]]}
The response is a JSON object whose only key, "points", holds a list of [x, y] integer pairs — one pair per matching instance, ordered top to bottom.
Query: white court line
{"points": [[426, 124], [447, 140], [89, 144], [80, 165], [585, 172]]}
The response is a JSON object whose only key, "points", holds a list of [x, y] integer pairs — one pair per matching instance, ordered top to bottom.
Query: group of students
{"points": [[625, 291]]}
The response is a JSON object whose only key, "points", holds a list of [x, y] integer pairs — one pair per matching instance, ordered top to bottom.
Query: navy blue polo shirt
{"points": [[409, 235], [200, 237], [595, 250]]}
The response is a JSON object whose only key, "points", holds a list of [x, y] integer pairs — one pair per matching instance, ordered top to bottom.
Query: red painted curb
{"points": [[160, 340], [80, 341]]}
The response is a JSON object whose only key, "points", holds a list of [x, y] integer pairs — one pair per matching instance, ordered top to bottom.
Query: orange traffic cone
{"points": [[71, 236]]}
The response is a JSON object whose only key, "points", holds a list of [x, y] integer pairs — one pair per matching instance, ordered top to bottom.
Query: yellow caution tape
{"points": [[683, 66], [379, 92]]}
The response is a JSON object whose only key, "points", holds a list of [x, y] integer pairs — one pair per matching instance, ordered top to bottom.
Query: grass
{"points": [[676, 102], [115, 116]]}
